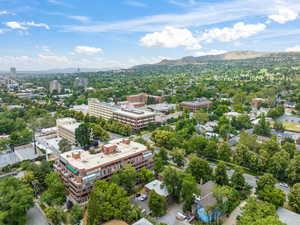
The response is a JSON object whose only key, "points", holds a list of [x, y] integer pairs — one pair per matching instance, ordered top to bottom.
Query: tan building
{"points": [[195, 105], [100, 109], [137, 119], [66, 129], [79, 169]]}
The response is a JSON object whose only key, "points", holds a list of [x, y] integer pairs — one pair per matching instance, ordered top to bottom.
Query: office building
{"points": [[13, 73], [81, 82], [55, 86], [100, 109], [137, 119], [66, 129], [79, 169]]}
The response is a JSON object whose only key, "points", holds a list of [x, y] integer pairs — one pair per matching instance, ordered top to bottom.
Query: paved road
{"points": [[35, 217]]}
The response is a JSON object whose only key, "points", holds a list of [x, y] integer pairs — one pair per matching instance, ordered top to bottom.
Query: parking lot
{"points": [[169, 218]]}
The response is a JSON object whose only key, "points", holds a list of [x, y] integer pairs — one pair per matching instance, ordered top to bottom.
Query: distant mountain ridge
{"points": [[228, 56]]}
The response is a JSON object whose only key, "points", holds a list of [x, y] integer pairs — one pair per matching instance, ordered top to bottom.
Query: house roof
{"points": [[158, 187], [143, 221]]}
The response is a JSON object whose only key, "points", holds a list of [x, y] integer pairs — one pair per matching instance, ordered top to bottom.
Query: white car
{"points": [[284, 185], [143, 197]]}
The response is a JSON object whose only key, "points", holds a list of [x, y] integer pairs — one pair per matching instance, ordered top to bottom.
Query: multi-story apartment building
{"points": [[81, 82], [55, 86], [100, 109], [137, 119], [66, 129], [79, 169]]}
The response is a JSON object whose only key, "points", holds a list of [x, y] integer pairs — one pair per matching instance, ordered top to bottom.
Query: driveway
{"points": [[35, 217], [170, 217]]}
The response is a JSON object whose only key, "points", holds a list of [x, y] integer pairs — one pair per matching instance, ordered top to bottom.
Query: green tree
{"points": [[278, 126], [262, 128], [83, 134], [64, 145], [289, 148], [210, 150], [224, 152], [178, 157], [278, 164], [200, 169], [294, 170], [145, 176], [126, 177], [221, 177], [237, 179], [172, 180], [265, 180], [55, 193], [272, 195], [294, 197], [227, 198], [16, 199], [109, 201], [157, 204], [259, 212], [55, 214], [76, 214]]}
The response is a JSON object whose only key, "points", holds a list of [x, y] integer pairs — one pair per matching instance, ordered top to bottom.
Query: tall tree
{"points": [[83, 134], [64, 145], [224, 152], [200, 169], [126, 177], [221, 177], [237, 179], [55, 193], [294, 197], [16, 199], [109, 201], [157, 204]]}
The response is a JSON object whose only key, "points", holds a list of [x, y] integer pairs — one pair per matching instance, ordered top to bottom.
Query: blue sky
{"points": [[47, 34]]}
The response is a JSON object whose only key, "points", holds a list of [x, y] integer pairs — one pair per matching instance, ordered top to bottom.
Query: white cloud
{"points": [[60, 3], [135, 3], [183, 3], [4, 12], [198, 15], [284, 15], [82, 19], [33, 24], [15, 25], [25, 25], [227, 34], [171, 37], [81, 49], [293, 49], [211, 52]]}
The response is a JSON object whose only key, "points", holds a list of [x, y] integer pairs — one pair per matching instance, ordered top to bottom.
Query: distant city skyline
{"points": [[56, 34]]}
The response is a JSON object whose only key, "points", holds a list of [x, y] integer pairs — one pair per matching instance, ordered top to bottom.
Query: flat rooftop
{"points": [[134, 113], [89, 161]]}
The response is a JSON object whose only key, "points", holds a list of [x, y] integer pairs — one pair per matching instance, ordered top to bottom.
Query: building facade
{"points": [[55, 86], [140, 99], [195, 105], [100, 109], [137, 119], [66, 129], [79, 169]]}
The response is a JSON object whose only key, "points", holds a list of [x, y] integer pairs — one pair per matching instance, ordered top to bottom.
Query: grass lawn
{"points": [[291, 126]]}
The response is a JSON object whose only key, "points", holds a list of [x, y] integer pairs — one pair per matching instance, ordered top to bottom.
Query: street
{"points": [[36, 217]]}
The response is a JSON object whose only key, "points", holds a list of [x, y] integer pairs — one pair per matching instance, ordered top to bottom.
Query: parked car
{"points": [[284, 185], [143, 197], [180, 216]]}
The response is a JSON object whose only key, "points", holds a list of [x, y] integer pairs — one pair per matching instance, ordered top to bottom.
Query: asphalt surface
{"points": [[35, 217]]}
